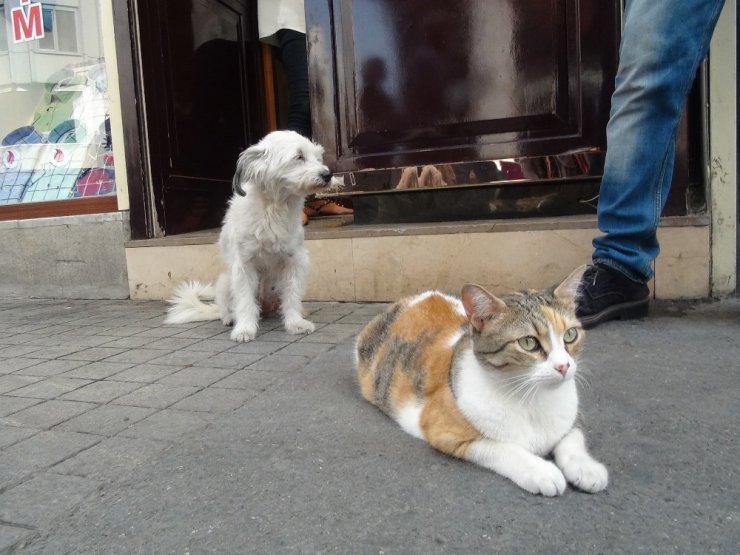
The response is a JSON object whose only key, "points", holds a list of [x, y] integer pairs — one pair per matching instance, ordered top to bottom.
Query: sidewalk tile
{"points": [[124, 330], [160, 331], [201, 332], [332, 333], [280, 336], [129, 342], [172, 343], [212, 345], [257, 347], [307, 349], [18, 350], [58, 351], [94, 354], [137, 356], [179, 358], [236, 361], [280, 363], [10, 365], [52, 367], [97, 370], [147, 373], [197, 376], [252, 380], [11, 382], [50, 388], [101, 392], [156, 396], [215, 400], [9, 405], [47, 414], [106, 420], [168, 425], [10, 435], [41, 451], [112, 459], [44, 498], [12, 536]]}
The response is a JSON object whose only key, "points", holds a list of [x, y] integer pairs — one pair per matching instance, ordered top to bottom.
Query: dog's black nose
{"points": [[326, 176]]}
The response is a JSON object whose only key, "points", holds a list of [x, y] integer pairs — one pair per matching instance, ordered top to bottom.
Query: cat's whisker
{"points": [[515, 380], [583, 381], [522, 384], [525, 391], [530, 394]]}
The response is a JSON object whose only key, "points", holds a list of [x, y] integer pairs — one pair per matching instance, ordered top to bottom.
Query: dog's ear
{"points": [[248, 167]]}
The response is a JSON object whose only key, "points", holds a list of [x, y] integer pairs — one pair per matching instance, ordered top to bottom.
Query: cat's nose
{"points": [[562, 368]]}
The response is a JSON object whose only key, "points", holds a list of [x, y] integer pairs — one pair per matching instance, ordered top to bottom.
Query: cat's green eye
{"points": [[570, 335], [529, 343]]}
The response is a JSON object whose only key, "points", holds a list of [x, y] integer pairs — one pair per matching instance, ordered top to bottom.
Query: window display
{"points": [[54, 122]]}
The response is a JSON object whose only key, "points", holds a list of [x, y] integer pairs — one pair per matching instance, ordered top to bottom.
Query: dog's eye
{"points": [[300, 157]]}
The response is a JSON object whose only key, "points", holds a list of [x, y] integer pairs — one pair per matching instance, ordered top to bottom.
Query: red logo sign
{"points": [[27, 21]]}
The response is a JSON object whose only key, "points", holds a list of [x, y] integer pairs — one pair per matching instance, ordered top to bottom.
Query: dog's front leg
{"points": [[292, 281], [246, 311]]}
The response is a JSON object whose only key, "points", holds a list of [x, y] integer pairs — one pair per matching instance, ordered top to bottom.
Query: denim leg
{"points": [[663, 43]]}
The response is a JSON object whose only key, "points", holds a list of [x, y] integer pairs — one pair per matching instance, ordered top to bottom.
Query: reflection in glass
{"points": [[56, 142], [571, 166]]}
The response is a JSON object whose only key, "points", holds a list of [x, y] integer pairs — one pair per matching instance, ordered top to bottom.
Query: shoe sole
{"points": [[623, 311]]}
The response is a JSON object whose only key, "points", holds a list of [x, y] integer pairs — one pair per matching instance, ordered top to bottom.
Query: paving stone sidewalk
{"points": [[91, 389], [121, 435]]}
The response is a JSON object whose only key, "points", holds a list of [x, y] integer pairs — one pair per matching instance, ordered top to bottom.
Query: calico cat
{"points": [[486, 379]]}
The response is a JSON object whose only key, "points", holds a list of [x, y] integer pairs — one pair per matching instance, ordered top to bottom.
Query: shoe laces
{"points": [[591, 274]]}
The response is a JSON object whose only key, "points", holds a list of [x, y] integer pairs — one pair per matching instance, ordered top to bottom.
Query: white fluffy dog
{"points": [[261, 240]]}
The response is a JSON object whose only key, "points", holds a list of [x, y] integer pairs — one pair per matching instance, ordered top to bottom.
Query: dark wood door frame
{"points": [[130, 91], [177, 181]]}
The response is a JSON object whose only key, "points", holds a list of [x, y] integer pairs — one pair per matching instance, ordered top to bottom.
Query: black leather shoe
{"points": [[607, 294]]}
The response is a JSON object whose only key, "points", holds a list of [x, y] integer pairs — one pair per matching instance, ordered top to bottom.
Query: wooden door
{"points": [[412, 82], [202, 104]]}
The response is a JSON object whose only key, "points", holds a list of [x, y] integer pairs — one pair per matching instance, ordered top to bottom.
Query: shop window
{"points": [[60, 30], [3, 32], [55, 142]]}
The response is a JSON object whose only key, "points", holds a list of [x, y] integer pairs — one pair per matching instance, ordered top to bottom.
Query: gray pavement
{"points": [[120, 435]]}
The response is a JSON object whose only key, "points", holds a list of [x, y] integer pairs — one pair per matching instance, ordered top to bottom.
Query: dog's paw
{"points": [[227, 320], [299, 326], [242, 334]]}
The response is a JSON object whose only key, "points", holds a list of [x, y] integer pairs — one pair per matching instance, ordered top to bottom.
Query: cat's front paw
{"points": [[299, 326], [243, 333], [585, 473], [541, 477]]}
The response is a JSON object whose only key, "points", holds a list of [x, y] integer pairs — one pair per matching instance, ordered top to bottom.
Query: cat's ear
{"points": [[568, 289], [480, 305]]}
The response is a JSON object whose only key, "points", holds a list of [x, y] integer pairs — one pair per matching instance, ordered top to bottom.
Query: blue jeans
{"points": [[663, 43]]}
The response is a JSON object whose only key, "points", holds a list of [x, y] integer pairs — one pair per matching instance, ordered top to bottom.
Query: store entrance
{"points": [[203, 104], [444, 111]]}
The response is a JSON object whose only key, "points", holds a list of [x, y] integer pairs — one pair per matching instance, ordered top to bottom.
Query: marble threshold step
{"points": [[384, 262]]}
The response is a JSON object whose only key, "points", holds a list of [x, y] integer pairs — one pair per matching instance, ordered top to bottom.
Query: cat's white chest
{"points": [[537, 423]]}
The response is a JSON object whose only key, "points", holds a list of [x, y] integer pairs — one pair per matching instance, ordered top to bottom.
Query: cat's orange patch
{"points": [[433, 312], [555, 318], [430, 324], [442, 423], [444, 426]]}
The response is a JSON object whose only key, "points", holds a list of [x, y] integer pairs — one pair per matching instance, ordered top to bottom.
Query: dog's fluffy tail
{"points": [[188, 306]]}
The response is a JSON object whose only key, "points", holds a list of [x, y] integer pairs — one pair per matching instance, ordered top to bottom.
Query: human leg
{"points": [[662, 45], [295, 60]]}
